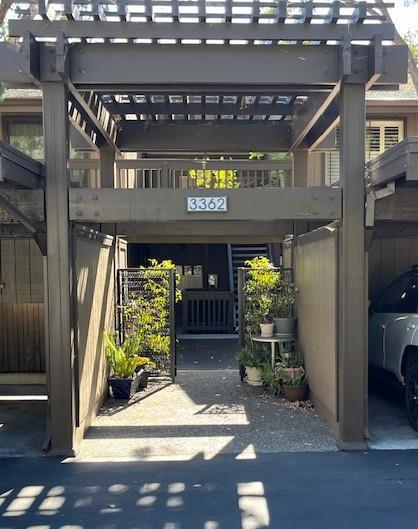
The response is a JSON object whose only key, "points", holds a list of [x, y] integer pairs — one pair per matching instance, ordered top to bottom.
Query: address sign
{"points": [[207, 204]]}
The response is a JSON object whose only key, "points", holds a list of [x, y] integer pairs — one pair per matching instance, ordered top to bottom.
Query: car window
{"points": [[400, 297]]}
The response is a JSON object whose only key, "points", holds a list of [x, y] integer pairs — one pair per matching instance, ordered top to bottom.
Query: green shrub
{"points": [[262, 283], [148, 314], [252, 355], [124, 359], [270, 378]]}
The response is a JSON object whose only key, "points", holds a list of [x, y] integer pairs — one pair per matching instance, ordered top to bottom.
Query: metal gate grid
{"points": [[287, 276], [141, 290]]}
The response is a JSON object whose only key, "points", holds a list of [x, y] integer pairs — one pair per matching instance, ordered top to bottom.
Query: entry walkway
{"points": [[206, 413]]}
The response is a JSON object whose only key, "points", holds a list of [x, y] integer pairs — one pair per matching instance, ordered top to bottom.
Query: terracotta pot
{"points": [[285, 325], [266, 330], [254, 377], [294, 393]]}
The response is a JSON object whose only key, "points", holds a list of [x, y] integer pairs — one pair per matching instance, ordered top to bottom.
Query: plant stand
{"points": [[273, 340]]}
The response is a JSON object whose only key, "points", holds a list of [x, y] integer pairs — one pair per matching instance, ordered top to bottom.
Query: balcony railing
{"points": [[186, 174], [207, 312]]}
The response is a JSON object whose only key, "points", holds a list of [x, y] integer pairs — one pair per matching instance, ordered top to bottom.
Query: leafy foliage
{"points": [[215, 178], [261, 286], [284, 301], [148, 314], [252, 355], [124, 359], [289, 360], [270, 378], [294, 381]]}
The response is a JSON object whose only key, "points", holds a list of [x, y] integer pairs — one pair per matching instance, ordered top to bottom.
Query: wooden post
{"points": [[107, 166], [300, 168], [352, 318], [60, 364]]}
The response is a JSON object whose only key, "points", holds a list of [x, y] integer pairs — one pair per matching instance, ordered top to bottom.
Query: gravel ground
{"points": [[206, 413]]}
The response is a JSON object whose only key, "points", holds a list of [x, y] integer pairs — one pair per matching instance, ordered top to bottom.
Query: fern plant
{"points": [[124, 359]]}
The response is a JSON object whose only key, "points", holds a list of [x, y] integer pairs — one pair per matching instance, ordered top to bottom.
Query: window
{"points": [[26, 135], [380, 136], [401, 297]]}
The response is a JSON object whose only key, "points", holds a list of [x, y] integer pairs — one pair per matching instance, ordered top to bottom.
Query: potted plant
{"points": [[261, 284], [282, 308], [266, 322], [253, 358], [123, 361], [290, 365], [143, 371], [270, 378], [294, 388]]}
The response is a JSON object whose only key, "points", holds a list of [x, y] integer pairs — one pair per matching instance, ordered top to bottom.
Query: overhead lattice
{"points": [[204, 21], [162, 108]]}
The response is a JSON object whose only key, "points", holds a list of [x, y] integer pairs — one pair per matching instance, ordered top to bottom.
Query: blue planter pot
{"points": [[123, 388]]}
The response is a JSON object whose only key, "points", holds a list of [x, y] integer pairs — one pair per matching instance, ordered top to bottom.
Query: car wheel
{"points": [[411, 394]]}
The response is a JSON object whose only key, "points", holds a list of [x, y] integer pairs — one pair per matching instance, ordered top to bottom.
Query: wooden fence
{"points": [[22, 338]]}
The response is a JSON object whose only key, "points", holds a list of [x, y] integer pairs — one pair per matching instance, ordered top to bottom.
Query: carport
{"points": [[202, 78], [392, 249]]}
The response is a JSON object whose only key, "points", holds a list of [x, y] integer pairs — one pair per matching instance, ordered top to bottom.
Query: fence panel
{"points": [[146, 300]]}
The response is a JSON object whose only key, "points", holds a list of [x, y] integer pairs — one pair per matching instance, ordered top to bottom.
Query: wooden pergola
{"points": [[212, 76]]}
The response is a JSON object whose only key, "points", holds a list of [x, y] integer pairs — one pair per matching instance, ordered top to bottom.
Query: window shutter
{"points": [[392, 135], [380, 136]]}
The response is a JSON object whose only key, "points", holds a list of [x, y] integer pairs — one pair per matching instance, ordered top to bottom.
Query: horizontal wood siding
{"points": [[316, 264], [22, 319]]}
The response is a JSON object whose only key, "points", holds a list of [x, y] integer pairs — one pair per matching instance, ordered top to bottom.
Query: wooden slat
{"points": [[8, 265], [22, 270], [36, 273], [207, 312], [22, 348]]}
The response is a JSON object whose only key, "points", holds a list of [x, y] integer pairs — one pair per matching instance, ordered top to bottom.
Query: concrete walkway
{"points": [[206, 413]]}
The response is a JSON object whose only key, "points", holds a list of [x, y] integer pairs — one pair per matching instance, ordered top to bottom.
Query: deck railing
{"points": [[186, 174], [207, 312]]}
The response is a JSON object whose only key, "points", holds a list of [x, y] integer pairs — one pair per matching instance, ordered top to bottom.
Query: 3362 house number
{"points": [[204, 204]]}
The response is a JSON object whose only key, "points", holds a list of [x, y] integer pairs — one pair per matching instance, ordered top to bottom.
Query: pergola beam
{"points": [[202, 31], [306, 65], [199, 108], [94, 111], [305, 121], [324, 126], [212, 137], [20, 170], [166, 205]]}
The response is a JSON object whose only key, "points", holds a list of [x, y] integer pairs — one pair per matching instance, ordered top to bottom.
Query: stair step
{"points": [[239, 255]]}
